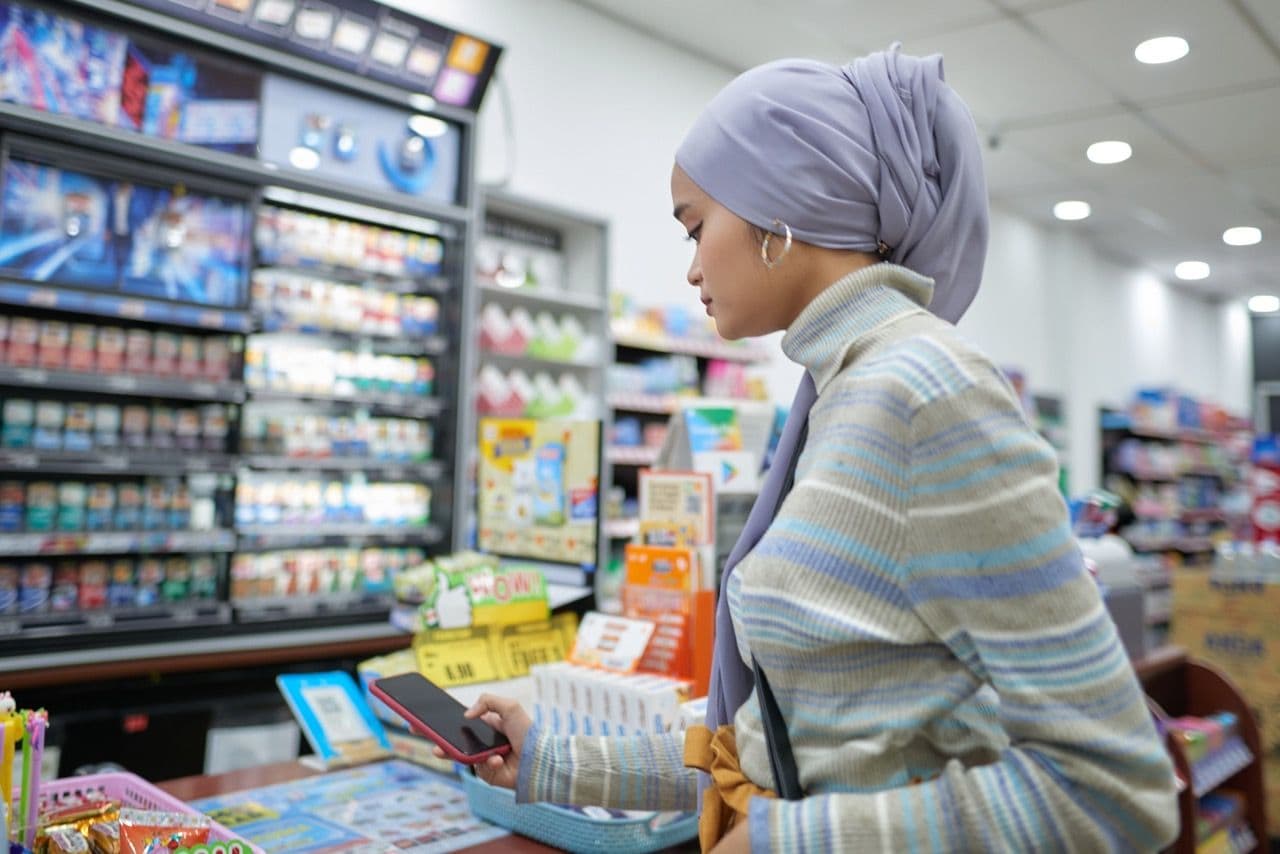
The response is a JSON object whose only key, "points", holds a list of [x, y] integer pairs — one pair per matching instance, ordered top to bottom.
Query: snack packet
{"points": [[154, 832]]}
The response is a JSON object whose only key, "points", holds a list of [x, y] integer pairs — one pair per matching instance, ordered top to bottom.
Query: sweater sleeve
{"points": [[992, 569], [642, 772]]}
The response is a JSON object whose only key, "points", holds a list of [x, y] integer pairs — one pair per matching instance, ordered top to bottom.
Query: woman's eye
{"points": [[694, 234]]}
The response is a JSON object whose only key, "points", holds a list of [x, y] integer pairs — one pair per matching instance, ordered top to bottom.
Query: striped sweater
{"points": [[949, 676]]}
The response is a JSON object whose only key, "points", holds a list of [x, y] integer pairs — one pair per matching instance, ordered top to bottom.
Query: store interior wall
{"points": [[596, 107]]}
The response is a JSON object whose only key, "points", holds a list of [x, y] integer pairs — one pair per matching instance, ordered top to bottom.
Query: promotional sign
{"points": [[68, 227], [539, 489]]}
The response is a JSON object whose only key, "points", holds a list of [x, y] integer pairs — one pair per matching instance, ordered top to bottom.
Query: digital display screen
{"points": [[444, 715]]}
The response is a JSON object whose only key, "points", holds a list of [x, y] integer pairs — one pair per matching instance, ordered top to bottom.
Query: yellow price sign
{"points": [[520, 647], [458, 662]]}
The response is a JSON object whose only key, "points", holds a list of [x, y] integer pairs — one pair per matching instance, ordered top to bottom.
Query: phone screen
{"points": [[434, 707]]}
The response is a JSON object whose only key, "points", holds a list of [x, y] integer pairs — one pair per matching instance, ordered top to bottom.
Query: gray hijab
{"points": [[881, 151]]}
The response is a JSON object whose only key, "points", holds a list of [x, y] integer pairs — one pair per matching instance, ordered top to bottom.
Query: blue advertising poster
{"points": [[60, 65], [71, 228]]}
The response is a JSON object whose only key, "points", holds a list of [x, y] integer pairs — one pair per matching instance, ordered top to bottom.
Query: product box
{"points": [[54, 338], [24, 341], [82, 346], [110, 350], [137, 351], [164, 354], [190, 357], [217, 359], [50, 418], [135, 422], [19, 423], [106, 425], [163, 427], [187, 429], [78, 432], [13, 499], [71, 505], [42, 506], [100, 507], [128, 507], [94, 576], [150, 576], [9, 579], [34, 583], [1196, 591], [122, 592], [64, 595]]}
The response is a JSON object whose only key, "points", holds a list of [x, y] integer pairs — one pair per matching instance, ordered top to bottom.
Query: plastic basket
{"points": [[131, 791], [571, 830]]}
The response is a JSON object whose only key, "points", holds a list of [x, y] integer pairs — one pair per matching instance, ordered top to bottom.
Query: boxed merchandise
{"points": [[4, 338], [54, 338], [24, 342], [82, 347], [111, 350], [137, 351], [164, 354], [190, 357], [217, 358], [50, 417], [19, 423], [135, 423], [106, 425], [163, 427], [213, 427], [187, 429], [78, 432], [13, 499], [156, 503], [71, 505], [42, 506], [100, 507], [128, 507], [9, 575], [150, 575], [94, 576], [204, 578], [177, 580], [34, 583], [122, 592], [64, 595]]}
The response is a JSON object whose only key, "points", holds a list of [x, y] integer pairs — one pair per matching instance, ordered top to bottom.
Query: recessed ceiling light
{"points": [[1160, 50], [428, 126], [1109, 151], [301, 157], [1072, 209], [1242, 235], [1192, 271], [1264, 304]]}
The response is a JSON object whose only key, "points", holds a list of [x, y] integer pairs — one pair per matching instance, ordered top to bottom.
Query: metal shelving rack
{"points": [[260, 181]]}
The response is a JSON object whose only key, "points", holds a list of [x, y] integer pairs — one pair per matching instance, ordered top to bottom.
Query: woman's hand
{"points": [[507, 717], [736, 841]]}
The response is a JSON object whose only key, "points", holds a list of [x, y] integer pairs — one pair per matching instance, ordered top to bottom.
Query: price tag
{"points": [[43, 297], [132, 308], [212, 319], [30, 376], [122, 383], [203, 389], [22, 461], [115, 462], [197, 464], [183, 615], [100, 620], [10, 627], [522, 646], [462, 661]]}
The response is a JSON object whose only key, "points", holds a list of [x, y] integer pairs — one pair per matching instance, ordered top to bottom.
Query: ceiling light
{"points": [[1161, 50], [428, 126], [1109, 151], [301, 157], [1072, 209], [1242, 235], [1192, 271], [1264, 304]]}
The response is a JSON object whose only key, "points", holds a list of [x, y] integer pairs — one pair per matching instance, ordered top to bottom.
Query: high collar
{"points": [[851, 310]]}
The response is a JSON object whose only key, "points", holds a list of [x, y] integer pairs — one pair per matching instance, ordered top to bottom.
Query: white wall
{"points": [[599, 109]]}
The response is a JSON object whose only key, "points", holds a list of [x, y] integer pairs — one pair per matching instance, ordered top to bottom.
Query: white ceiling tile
{"points": [[1268, 14], [874, 25], [1101, 35], [1003, 72], [1233, 131], [1012, 171]]}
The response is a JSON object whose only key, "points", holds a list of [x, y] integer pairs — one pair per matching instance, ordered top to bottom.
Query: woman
{"points": [[947, 674]]}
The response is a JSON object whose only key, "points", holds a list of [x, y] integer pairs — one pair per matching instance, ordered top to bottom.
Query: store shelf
{"points": [[297, 266], [547, 298], [123, 308], [400, 343], [745, 353], [509, 361], [138, 386], [401, 404], [658, 404], [1198, 437], [638, 456], [130, 462], [383, 469], [1149, 475], [1202, 514], [621, 529], [265, 537], [117, 542], [1189, 545], [304, 606], [176, 616], [1220, 765]]}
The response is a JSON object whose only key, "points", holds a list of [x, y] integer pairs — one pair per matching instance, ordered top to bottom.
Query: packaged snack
{"points": [[54, 337], [4, 338], [24, 338], [110, 349], [137, 351], [164, 354], [81, 355], [217, 358], [190, 361], [50, 416], [19, 423], [134, 423], [106, 425], [163, 426], [213, 427], [187, 429], [78, 431], [72, 495], [13, 499], [42, 506], [100, 507], [128, 507], [155, 507], [179, 507], [9, 576], [94, 576], [149, 578], [204, 578], [177, 580], [33, 588], [122, 592], [64, 596], [77, 819], [151, 832], [104, 837], [64, 840]]}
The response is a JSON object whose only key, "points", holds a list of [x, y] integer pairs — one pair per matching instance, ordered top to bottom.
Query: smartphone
{"points": [[431, 712]]}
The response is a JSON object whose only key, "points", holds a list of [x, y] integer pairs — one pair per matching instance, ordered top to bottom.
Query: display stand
{"points": [[1177, 685]]}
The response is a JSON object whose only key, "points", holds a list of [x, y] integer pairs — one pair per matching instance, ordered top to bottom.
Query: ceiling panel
{"points": [[1267, 13], [874, 24], [1100, 36], [991, 67], [1232, 132], [1012, 171]]}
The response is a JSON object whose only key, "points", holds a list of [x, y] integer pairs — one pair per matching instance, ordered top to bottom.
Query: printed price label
{"points": [[43, 297], [133, 308], [122, 383], [614, 643], [522, 646], [458, 662]]}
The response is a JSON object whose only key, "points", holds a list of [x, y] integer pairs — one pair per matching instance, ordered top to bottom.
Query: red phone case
{"points": [[416, 725]]}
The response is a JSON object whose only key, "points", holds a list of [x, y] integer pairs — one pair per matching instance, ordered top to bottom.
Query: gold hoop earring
{"points": [[786, 244]]}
